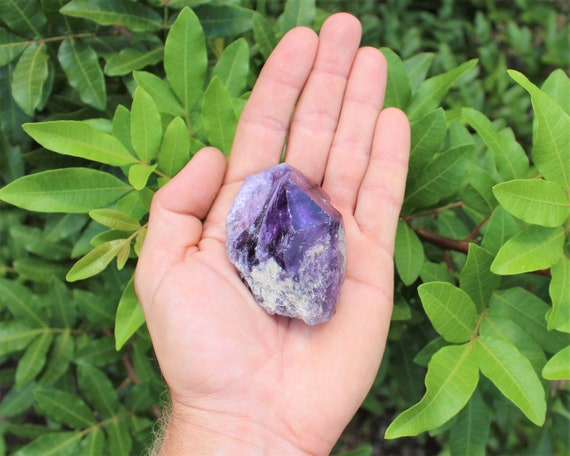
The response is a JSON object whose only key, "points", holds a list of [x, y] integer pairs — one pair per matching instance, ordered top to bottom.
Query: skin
{"points": [[242, 381]]}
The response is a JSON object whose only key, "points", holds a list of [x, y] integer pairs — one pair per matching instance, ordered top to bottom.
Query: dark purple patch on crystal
{"points": [[287, 243]]}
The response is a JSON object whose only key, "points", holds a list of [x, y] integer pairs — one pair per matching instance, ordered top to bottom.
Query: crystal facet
{"points": [[287, 242]]}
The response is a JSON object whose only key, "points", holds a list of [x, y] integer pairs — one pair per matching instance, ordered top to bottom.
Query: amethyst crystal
{"points": [[287, 243]]}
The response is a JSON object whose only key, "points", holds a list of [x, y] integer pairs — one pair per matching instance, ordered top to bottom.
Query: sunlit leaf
{"points": [[131, 59], [186, 59], [233, 67], [398, 88], [160, 92], [220, 120], [146, 126], [80, 139], [175, 149], [550, 152], [510, 157], [139, 174], [76, 190], [535, 201], [115, 219], [533, 249], [409, 254], [95, 261], [476, 278], [450, 310], [129, 317], [559, 317], [558, 367], [453, 374], [513, 375]]}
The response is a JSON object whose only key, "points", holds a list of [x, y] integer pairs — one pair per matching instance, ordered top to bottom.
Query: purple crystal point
{"points": [[287, 243]]}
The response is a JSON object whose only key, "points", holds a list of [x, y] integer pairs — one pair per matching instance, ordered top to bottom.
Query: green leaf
{"points": [[298, 13], [134, 16], [24, 17], [224, 20], [264, 34], [11, 46], [185, 58], [130, 59], [81, 66], [233, 67], [417, 68], [30, 77], [557, 85], [398, 88], [160, 92], [431, 92], [219, 117], [146, 126], [428, 133], [79, 139], [175, 150], [550, 152], [510, 157], [139, 174], [441, 178], [76, 190], [535, 201], [114, 219], [500, 227], [33, 241], [533, 249], [409, 254], [95, 261], [37, 270], [476, 278], [22, 303], [62, 307], [450, 310], [528, 311], [129, 317], [559, 317], [508, 331], [15, 336], [98, 352], [34, 359], [59, 359], [558, 367], [513, 375], [452, 376], [98, 390], [16, 401], [64, 407], [470, 433], [119, 437], [52, 444], [93, 444]]}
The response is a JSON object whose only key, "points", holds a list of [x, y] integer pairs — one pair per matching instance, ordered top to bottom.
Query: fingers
{"points": [[316, 115], [264, 123], [350, 151], [382, 191], [175, 224]]}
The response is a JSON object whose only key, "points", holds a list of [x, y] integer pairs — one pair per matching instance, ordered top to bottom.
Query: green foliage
{"points": [[102, 102]]}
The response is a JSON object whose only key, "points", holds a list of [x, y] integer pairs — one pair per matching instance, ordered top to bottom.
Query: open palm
{"points": [[239, 378]]}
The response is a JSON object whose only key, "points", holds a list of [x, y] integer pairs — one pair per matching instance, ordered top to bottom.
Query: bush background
{"points": [[65, 389]]}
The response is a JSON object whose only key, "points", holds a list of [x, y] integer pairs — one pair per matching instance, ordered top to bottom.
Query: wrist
{"points": [[191, 431]]}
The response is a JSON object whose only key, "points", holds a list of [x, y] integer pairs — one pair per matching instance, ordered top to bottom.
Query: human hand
{"points": [[242, 381]]}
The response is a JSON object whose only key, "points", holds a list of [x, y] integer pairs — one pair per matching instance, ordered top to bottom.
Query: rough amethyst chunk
{"points": [[287, 243]]}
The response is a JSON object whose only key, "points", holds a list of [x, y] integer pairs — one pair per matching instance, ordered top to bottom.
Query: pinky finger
{"points": [[381, 193]]}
